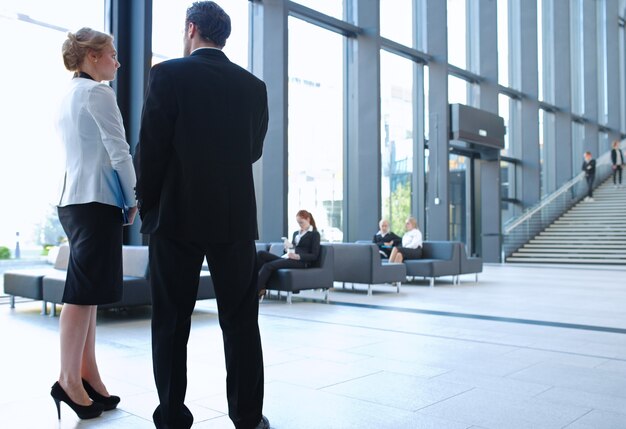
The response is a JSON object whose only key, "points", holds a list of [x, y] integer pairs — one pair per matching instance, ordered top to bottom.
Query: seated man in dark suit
{"points": [[385, 239], [301, 252]]}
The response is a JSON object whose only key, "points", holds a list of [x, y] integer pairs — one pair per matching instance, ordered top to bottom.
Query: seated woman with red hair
{"points": [[301, 252]]}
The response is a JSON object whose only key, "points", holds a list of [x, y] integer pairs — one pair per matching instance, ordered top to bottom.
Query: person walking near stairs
{"points": [[617, 158], [589, 167]]}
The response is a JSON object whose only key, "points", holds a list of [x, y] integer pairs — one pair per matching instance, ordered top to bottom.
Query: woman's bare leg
{"points": [[392, 256], [74, 327], [89, 367]]}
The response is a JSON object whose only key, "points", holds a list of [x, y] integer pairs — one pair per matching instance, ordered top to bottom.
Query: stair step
{"points": [[595, 208], [600, 213], [590, 221], [598, 226], [587, 227], [590, 232], [586, 233], [577, 238], [581, 242], [574, 246], [583, 251], [557, 252], [566, 260]]}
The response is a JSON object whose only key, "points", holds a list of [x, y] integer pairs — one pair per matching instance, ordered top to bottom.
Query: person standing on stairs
{"points": [[617, 159], [589, 167]]}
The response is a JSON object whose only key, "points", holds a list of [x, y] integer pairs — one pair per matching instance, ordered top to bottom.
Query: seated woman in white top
{"points": [[411, 243]]}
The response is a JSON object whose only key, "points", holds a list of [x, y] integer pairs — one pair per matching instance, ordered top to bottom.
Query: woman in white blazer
{"points": [[98, 186], [411, 247]]}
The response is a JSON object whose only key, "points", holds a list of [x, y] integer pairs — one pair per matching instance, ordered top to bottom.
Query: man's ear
{"points": [[191, 30]]}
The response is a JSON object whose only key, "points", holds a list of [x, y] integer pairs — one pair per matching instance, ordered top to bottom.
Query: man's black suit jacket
{"points": [[202, 128]]}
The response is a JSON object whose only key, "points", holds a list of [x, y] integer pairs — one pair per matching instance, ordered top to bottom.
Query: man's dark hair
{"points": [[211, 20]]}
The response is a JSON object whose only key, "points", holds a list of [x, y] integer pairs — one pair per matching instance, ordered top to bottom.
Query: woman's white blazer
{"points": [[98, 166]]}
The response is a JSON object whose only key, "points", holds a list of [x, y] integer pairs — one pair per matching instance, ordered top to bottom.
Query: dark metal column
{"points": [[131, 25], [484, 61], [269, 62], [612, 69], [524, 77], [590, 79], [562, 93], [362, 154], [437, 214]]}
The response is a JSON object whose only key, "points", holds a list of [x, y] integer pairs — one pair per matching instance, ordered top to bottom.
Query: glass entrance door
{"points": [[461, 199]]}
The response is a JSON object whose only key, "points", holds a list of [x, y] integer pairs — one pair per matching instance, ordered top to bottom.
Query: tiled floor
{"points": [[525, 347]]}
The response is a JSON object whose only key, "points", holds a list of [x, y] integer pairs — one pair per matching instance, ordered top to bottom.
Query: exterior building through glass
{"points": [[359, 94]]}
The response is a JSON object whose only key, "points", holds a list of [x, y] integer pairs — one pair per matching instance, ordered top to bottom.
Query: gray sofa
{"points": [[439, 258], [361, 263], [469, 265], [318, 276], [28, 283], [136, 290]]}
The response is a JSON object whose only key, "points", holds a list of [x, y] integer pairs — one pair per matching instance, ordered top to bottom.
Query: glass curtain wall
{"points": [[332, 8], [168, 16], [396, 21], [545, 27], [457, 33], [503, 41], [540, 48], [577, 58], [622, 77], [457, 90], [603, 99], [504, 104], [508, 109], [316, 128], [397, 135], [578, 135], [604, 143], [547, 148], [542, 154], [31, 160], [507, 190], [459, 202]]}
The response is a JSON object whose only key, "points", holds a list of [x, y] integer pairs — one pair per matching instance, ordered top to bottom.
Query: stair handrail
{"points": [[527, 214], [513, 238]]}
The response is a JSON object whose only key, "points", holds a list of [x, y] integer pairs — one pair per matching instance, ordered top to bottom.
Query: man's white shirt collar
{"points": [[205, 47]]}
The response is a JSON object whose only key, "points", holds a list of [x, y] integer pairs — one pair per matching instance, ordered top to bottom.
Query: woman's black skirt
{"points": [[410, 253], [94, 272]]}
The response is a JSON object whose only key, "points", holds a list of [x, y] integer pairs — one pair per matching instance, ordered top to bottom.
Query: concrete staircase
{"points": [[591, 232]]}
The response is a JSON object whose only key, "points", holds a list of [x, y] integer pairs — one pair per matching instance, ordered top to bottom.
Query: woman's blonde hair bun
{"points": [[77, 46]]}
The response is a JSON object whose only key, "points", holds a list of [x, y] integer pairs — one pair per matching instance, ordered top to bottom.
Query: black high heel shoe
{"points": [[109, 402], [82, 411]]}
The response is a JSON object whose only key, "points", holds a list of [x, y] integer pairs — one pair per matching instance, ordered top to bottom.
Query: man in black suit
{"points": [[203, 125]]}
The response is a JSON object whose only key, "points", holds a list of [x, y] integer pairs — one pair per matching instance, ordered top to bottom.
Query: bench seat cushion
{"points": [[389, 272], [26, 283]]}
